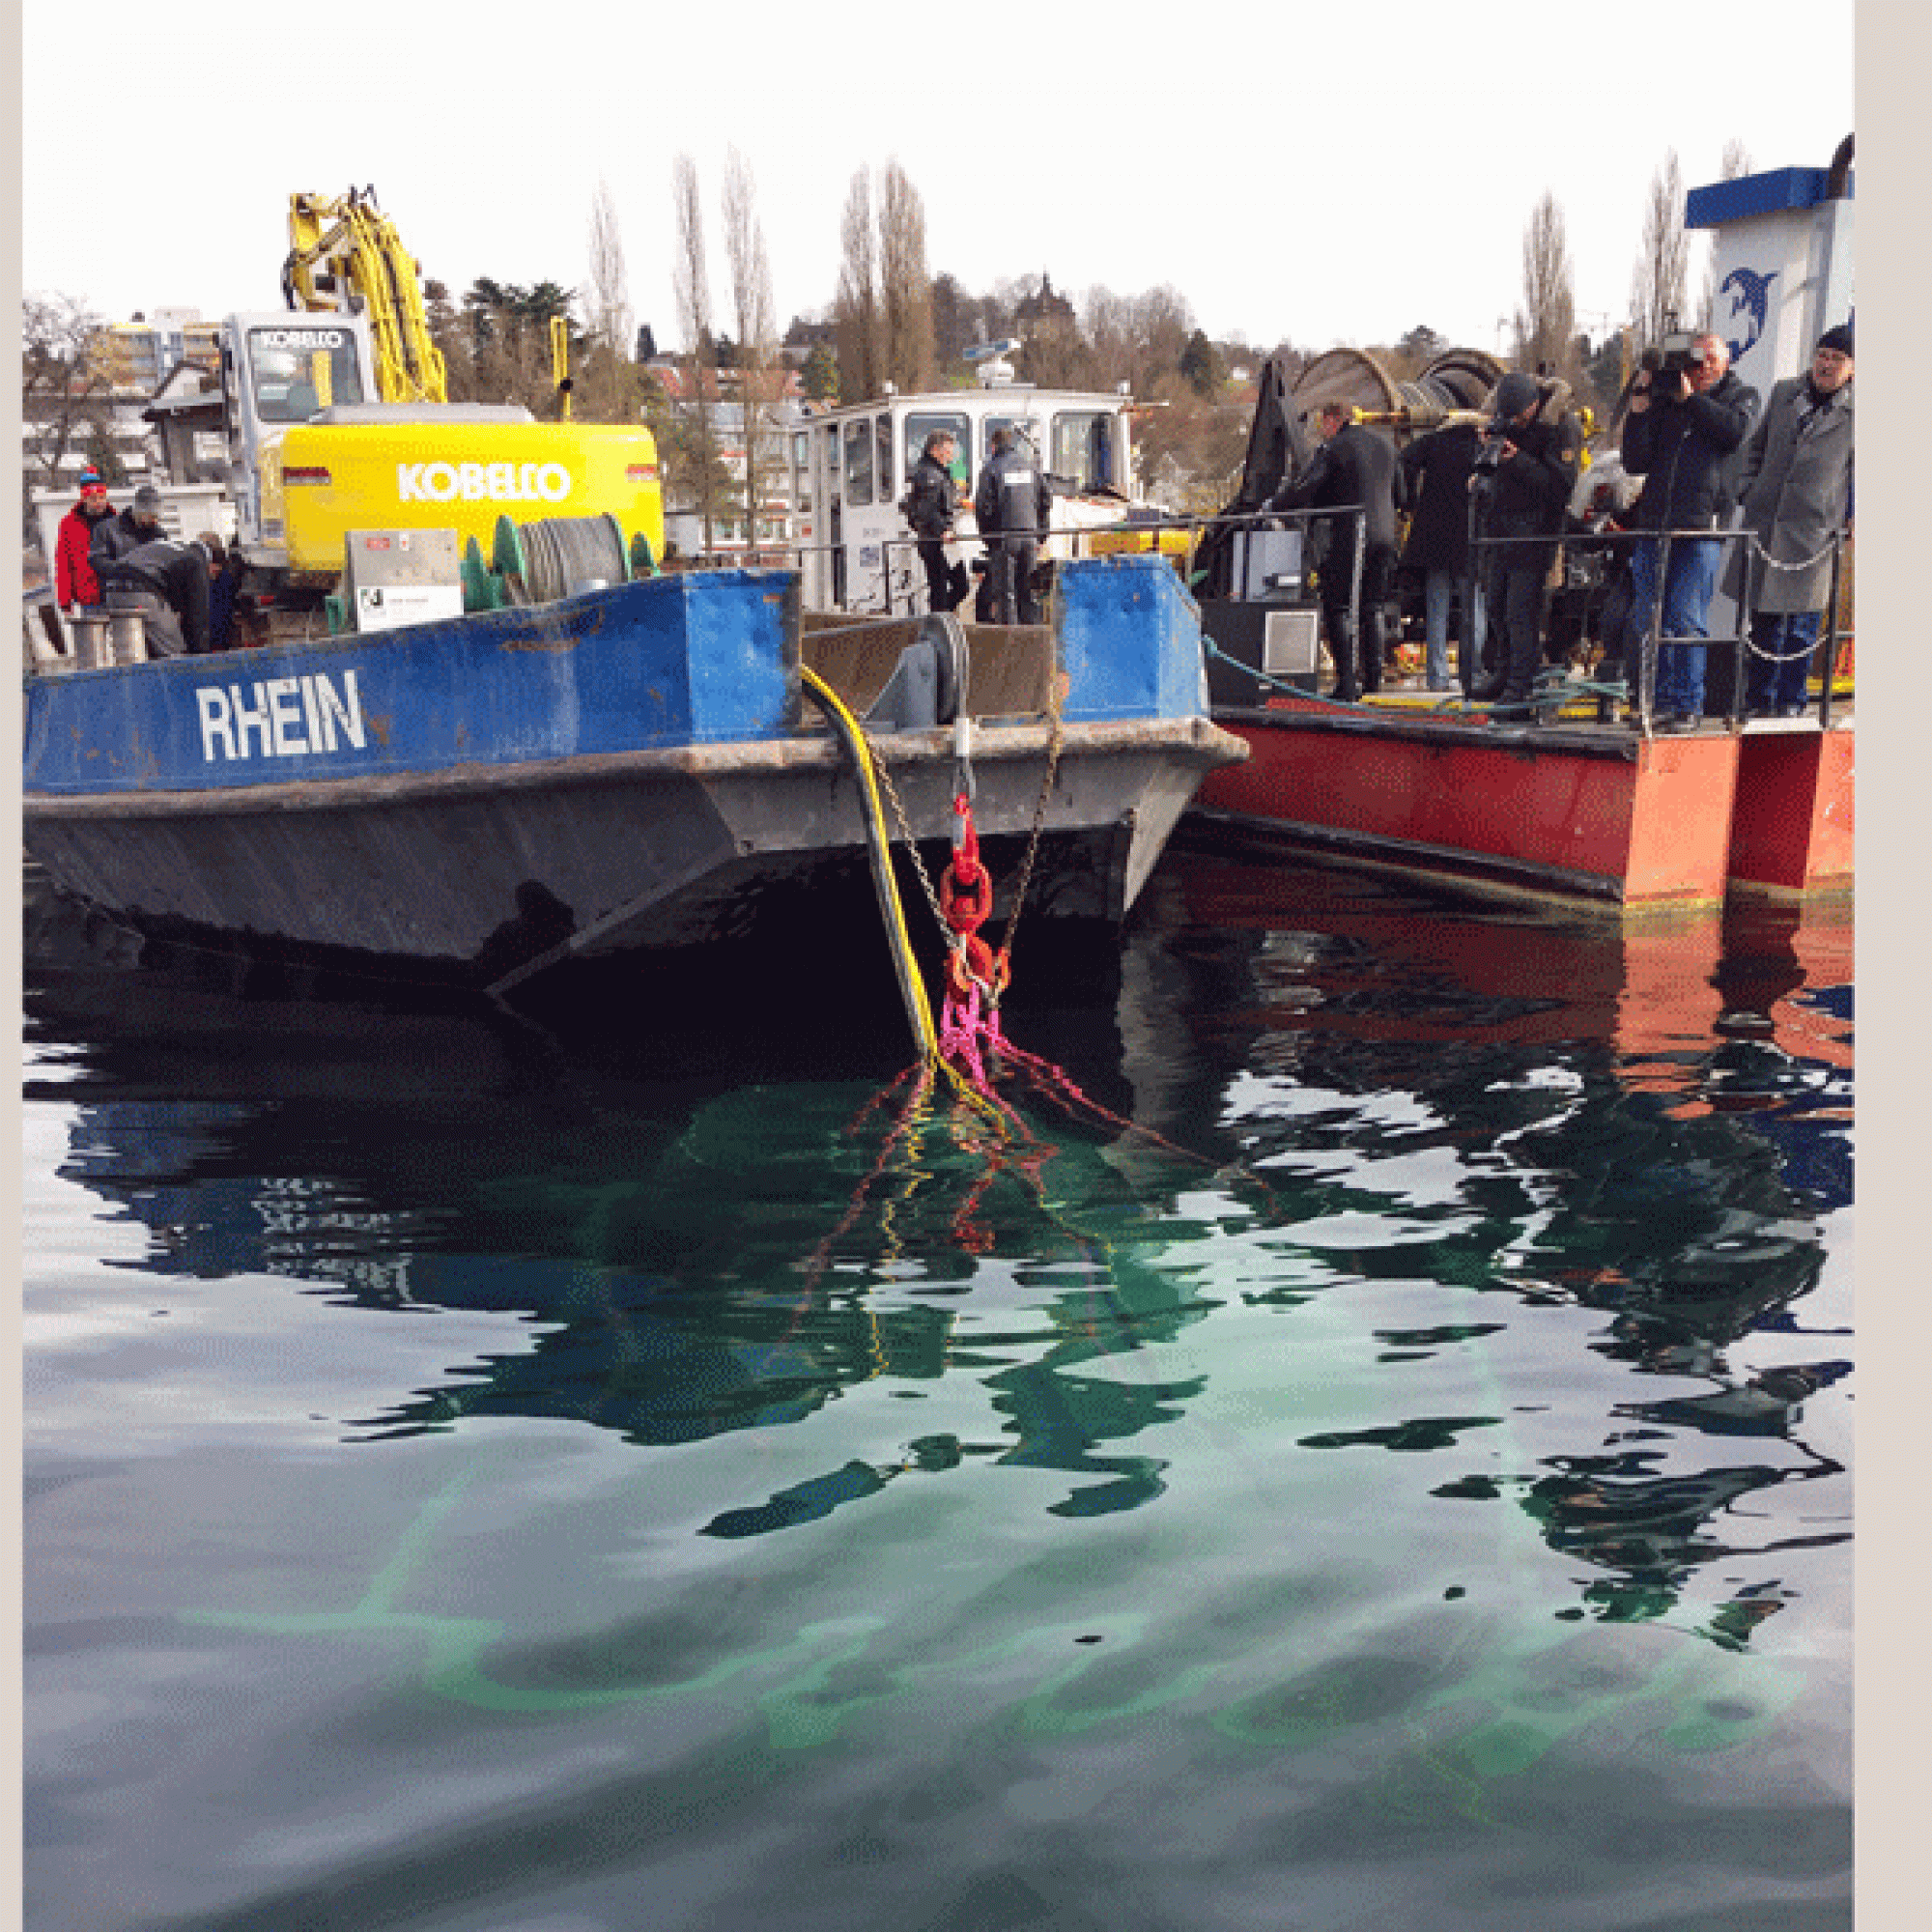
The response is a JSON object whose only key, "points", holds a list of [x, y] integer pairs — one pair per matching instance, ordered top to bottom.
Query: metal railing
{"points": [[903, 582], [1641, 696]]}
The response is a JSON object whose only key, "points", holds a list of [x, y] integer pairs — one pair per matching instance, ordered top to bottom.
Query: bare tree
{"points": [[1735, 165], [905, 287], [1656, 291], [857, 310], [1546, 324], [759, 366], [609, 388], [66, 398], [695, 446]]}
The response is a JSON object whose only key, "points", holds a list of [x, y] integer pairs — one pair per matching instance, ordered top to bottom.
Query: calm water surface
{"points": [[1382, 1461]]}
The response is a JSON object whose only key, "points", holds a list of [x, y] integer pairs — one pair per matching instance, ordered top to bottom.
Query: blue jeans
{"points": [[1438, 589], [1687, 611], [1790, 636]]}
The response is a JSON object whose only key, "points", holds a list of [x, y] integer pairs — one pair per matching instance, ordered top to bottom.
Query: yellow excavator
{"points": [[337, 419]]}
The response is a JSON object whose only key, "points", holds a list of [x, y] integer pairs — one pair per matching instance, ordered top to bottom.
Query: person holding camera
{"points": [[1688, 417], [1354, 468], [1524, 471]]}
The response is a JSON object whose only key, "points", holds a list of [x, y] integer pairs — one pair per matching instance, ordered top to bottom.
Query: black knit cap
{"points": [[1839, 338], [1514, 393]]}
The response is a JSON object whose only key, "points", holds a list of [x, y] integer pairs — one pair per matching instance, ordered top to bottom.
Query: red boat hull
{"points": [[1590, 812]]}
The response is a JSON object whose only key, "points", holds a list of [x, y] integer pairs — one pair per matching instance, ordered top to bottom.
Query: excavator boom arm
{"points": [[345, 254]]}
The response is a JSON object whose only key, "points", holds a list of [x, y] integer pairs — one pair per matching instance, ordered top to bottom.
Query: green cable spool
{"points": [[509, 561], [642, 562], [482, 588], [340, 618]]}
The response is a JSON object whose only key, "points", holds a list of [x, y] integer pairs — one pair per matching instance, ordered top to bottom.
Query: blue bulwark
{"points": [[1748, 195], [1129, 639], [671, 661]]}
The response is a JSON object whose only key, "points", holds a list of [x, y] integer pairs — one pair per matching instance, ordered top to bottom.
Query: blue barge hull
{"points": [[635, 768]]}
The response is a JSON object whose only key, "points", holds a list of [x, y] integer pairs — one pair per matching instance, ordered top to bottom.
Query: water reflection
{"points": [[1545, 1117]]}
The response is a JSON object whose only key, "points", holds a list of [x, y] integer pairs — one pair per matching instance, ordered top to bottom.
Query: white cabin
{"points": [[851, 467]]}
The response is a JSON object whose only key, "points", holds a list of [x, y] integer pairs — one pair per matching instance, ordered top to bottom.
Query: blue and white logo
{"points": [[1750, 298]]}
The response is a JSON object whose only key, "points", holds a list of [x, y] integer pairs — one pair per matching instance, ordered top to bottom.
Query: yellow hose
{"points": [[912, 988], [919, 1008]]}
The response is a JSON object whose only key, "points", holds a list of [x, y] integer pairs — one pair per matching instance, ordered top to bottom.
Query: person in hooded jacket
{"points": [[1683, 436], [1436, 469], [1797, 485], [1524, 486], [140, 523], [75, 585]]}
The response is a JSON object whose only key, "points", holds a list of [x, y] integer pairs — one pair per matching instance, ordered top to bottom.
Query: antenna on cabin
{"points": [[995, 371]]}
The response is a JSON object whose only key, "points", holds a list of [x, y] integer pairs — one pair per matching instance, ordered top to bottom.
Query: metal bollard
{"points": [[129, 643], [91, 647]]}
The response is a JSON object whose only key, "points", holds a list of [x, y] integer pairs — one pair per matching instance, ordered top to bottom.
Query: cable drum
{"points": [[563, 555]]}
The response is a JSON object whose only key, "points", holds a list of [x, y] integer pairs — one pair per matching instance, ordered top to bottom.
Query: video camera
{"points": [[1677, 354]]}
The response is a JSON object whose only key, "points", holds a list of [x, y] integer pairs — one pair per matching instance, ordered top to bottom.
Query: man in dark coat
{"points": [[1682, 436], [1354, 468], [1436, 470], [1526, 481], [1797, 485], [932, 505], [1014, 507], [140, 523], [74, 582], [167, 584]]}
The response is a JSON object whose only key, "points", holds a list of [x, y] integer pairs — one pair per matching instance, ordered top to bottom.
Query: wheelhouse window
{"points": [[297, 371], [953, 422], [1026, 429], [883, 438], [1083, 448], [858, 465], [800, 470]]}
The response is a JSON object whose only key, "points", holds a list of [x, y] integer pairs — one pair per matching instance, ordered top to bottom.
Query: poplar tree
{"points": [[905, 286], [1657, 289], [856, 311], [1546, 324], [759, 366], [609, 387], [695, 440]]}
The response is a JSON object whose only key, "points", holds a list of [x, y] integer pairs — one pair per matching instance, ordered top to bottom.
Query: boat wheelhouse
{"points": [[851, 467]]}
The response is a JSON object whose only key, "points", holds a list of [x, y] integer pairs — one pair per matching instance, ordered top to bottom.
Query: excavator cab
{"points": [[279, 370], [293, 383]]}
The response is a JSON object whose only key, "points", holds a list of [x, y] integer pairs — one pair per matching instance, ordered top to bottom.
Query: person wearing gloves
{"points": [[1686, 428]]}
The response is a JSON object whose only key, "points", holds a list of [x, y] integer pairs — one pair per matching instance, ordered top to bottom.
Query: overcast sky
{"points": [[1325, 177]]}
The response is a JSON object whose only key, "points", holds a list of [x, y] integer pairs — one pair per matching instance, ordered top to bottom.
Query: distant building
{"points": [[135, 357], [767, 535]]}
